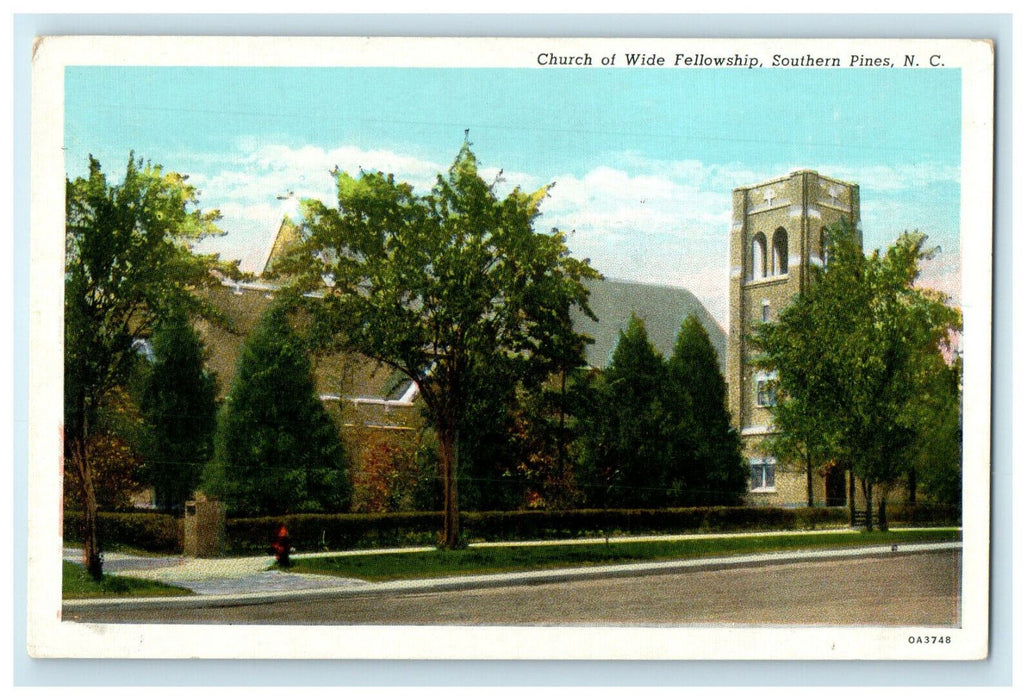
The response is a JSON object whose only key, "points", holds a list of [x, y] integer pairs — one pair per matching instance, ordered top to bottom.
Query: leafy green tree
{"points": [[128, 262], [442, 287], [852, 352], [178, 405], [277, 450], [935, 458], [707, 465]]}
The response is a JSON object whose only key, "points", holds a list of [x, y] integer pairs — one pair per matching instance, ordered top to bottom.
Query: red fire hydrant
{"points": [[282, 547]]}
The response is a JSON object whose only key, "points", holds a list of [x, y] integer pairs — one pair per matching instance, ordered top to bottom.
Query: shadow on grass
{"points": [[77, 583]]}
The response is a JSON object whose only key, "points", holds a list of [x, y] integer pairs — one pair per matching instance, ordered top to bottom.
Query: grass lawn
{"points": [[486, 560], [77, 583]]}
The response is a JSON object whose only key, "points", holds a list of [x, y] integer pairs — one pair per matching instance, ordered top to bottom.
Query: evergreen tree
{"points": [[178, 406], [277, 449], [626, 450], [707, 467]]}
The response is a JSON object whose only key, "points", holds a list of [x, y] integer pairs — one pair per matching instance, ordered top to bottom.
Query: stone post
{"points": [[204, 527]]}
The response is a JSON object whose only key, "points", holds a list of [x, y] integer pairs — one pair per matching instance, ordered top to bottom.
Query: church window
{"points": [[780, 252], [759, 267], [765, 311], [766, 389], [762, 474]]}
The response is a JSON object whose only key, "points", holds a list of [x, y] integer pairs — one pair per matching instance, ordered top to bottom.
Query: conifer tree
{"points": [[178, 406], [277, 449], [626, 455], [707, 467]]}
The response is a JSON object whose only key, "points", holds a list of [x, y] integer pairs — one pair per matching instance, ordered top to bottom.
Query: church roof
{"points": [[286, 235], [662, 310]]}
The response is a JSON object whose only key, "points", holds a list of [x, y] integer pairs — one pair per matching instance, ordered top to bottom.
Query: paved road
{"points": [[911, 589]]}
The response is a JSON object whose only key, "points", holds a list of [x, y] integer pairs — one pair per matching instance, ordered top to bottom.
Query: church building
{"points": [[776, 236]]}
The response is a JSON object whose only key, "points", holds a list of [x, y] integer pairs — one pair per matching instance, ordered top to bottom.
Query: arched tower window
{"points": [[780, 252], [759, 268]]}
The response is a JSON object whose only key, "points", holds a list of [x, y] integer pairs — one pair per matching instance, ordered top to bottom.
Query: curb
{"points": [[518, 578]]}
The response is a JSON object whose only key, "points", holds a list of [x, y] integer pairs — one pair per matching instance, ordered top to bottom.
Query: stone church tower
{"points": [[776, 236]]}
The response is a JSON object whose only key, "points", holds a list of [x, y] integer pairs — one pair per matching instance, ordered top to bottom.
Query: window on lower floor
{"points": [[762, 475]]}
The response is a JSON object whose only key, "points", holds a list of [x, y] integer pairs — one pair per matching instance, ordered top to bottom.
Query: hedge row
{"points": [[923, 514], [151, 532], [341, 532], [164, 533], [313, 533]]}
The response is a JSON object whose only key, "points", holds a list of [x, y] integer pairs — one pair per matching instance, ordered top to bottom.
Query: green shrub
{"points": [[921, 514], [149, 531], [317, 532], [314, 533]]}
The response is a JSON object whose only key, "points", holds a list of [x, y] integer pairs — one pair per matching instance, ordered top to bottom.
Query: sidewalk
{"points": [[249, 579]]}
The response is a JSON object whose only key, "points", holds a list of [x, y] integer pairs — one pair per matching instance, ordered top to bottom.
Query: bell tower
{"points": [[776, 236]]}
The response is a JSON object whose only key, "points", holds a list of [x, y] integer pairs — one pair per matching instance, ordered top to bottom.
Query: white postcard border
{"points": [[49, 636]]}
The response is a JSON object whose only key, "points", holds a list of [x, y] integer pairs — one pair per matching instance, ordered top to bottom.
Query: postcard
{"points": [[515, 348]]}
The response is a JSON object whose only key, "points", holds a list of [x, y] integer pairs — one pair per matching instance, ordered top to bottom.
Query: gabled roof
{"points": [[286, 235], [662, 310]]}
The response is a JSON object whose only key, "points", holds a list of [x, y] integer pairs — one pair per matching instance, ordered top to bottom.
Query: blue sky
{"points": [[644, 161]]}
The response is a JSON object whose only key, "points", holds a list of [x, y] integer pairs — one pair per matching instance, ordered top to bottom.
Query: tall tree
{"points": [[128, 262], [442, 286], [852, 352], [178, 405], [277, 449], [628, 452], [707, 464]]}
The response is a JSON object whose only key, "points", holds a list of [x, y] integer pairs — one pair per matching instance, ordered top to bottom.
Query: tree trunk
{"points": [[449, 452], [810, 481], [866, 487], [850, 493], [883, 523], [91, 556]]}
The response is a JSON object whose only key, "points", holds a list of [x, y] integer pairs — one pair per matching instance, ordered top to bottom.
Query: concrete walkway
{"points": [[249, 579]]}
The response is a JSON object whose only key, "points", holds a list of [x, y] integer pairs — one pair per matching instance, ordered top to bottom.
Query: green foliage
{"points": [[128, 263], [446, 287], [854, 354], [179, 406], [657, 434], [277, 449], [628, 456], [935, 457], [707, 464], [147, 531], [333, 532], [338, 532]]}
